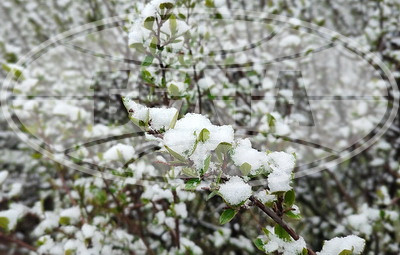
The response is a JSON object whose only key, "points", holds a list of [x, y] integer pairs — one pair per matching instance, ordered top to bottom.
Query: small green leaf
{"points": [[210, 3], [166, 5], [148, 23], [172, 24], [148, 60], [173, 90], [271, 120], [204, 135], [222, 149], [175, 154], [206, 164], [245, 168], [192, 184], [211, 195], [290, 197], [292, 215], [227, 216], [64, 220], [4, 223], [266, 231], [281, 233], [259, 244], [304, 251], [346, 252]]}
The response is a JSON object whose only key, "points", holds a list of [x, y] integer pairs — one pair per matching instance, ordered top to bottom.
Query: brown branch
{"points": [[279, 221], [17, 241]]}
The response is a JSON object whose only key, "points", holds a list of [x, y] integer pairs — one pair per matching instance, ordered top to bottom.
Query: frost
{"points": [[119, 152], [235, 191], [338, 244]]}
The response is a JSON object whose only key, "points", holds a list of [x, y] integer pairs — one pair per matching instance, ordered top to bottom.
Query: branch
{"points": [[278, 220], [17, 241]]}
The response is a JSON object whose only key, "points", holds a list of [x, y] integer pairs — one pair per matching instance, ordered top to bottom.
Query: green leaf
{"points": [[210, 3], [166, 5], [148, 23], [172, 24], [153, 45], [138, 46], [148, 60], [147, 77], [173, 90], [271, 120], [204, 135], [222, 149], [175, 154], [206, 164], [245, 168], [189, 172], [192, 184], [211, 195], [290, 197], [292, 215], [227, 216], [64, 220], [4, 223], [266, 231], [281, 233], [259, 244], [304, 251], [346, 252]]}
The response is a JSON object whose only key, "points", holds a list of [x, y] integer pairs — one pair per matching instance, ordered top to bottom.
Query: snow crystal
{"points": [[119, 151], [244, 153], [235, 190], [338, 244]]}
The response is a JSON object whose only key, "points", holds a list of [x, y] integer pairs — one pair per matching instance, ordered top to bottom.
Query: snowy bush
{"points": [[206, 186]]}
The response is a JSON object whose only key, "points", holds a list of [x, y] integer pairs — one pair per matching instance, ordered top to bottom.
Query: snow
{"points": [[290, 40], [70, 111], [161, 117], [157, 118], [183, 137], [118, 152], [244, 153], [281, 161], [282, 164], [3, 176], [235, 191], [180, 210], [72, 213], [13, 214], [50, 221], [88, 230], [274, 243], [338, 244]]}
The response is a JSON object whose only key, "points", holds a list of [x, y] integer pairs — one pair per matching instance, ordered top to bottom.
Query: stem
{"points": [[278, 220], [17, 241]]}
